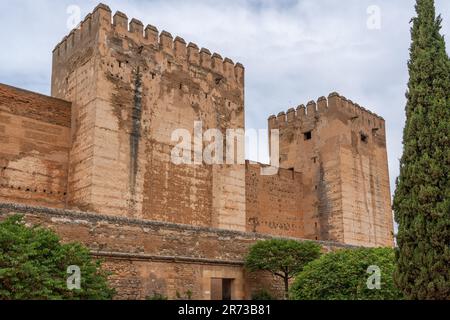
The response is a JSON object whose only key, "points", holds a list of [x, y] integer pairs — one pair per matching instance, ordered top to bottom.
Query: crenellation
{"points": [[102, 7], [102, 15], [120, 22], [86, 27], [137, 29], [81, 34], [151, 34], [78, 37], [166, 41], [70, 42], [179, 45], [58, 50], [193, 54], [205, 58], [217, 63], [228, 68], [239, 71], [334, 103], [322, 105], [350, 108], [311, 109], [359, 110], [301, 111], [291, 115], [281, 120], [272, 122]]}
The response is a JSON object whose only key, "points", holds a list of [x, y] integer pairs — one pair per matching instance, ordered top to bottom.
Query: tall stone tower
{"points": [[131, 88], [340, 149]]}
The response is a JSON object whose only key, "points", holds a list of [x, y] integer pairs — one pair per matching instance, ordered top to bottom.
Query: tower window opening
{"points": [[308, 135], [364, 138]]}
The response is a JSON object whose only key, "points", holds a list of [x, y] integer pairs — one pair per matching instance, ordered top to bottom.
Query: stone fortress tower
{"points": [[130, 88], [340, 149], [93, 162]]}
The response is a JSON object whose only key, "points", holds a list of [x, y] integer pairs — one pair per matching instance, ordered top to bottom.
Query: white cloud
{"points": [[294, 51]]}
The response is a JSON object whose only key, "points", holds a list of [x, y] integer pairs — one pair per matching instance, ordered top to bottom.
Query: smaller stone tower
{"points": [[340, 149]]}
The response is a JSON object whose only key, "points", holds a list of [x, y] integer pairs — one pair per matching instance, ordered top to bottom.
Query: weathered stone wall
{"points": [[133, 88], [34, 147], [340, 149], [110, 152], [274, 203], [149, 257]]}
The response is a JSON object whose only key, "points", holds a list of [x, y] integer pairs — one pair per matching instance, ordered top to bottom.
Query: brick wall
{"points": [[34, 147], [274, 203], [149, 257]]}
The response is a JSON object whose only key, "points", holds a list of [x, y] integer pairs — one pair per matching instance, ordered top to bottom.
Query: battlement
{"points": [[102, 19], [321, 107], [290, 173]]}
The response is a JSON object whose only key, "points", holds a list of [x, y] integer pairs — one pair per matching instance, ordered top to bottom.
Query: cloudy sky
{"points": [[293, 50]]}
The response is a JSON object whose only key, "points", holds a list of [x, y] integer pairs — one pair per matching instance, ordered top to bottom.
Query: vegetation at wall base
{"points": [[422, 197], [282, 258], [34, 263], [343, 275], [263, 295], [157, 297]]}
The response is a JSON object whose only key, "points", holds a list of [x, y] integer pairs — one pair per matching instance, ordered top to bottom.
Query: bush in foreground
{"points": [[34, 266], [343, 275]]}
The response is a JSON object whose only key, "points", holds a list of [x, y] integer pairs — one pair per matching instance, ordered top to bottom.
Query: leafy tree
{"points": [[422, 197], [282, 258], [33, 266], [343, 275]]}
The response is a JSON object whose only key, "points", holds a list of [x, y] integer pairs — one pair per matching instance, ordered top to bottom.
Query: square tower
{"points": [[131, 87], [340, 149]]}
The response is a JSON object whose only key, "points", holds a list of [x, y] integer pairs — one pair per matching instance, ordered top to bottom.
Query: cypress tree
{"points": [[422, 197]]}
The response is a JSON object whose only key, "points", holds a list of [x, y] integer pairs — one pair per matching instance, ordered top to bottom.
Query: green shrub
{"points": [[34, 266], [343, 275], [187, 295], [263, 295], [157, 296]]}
